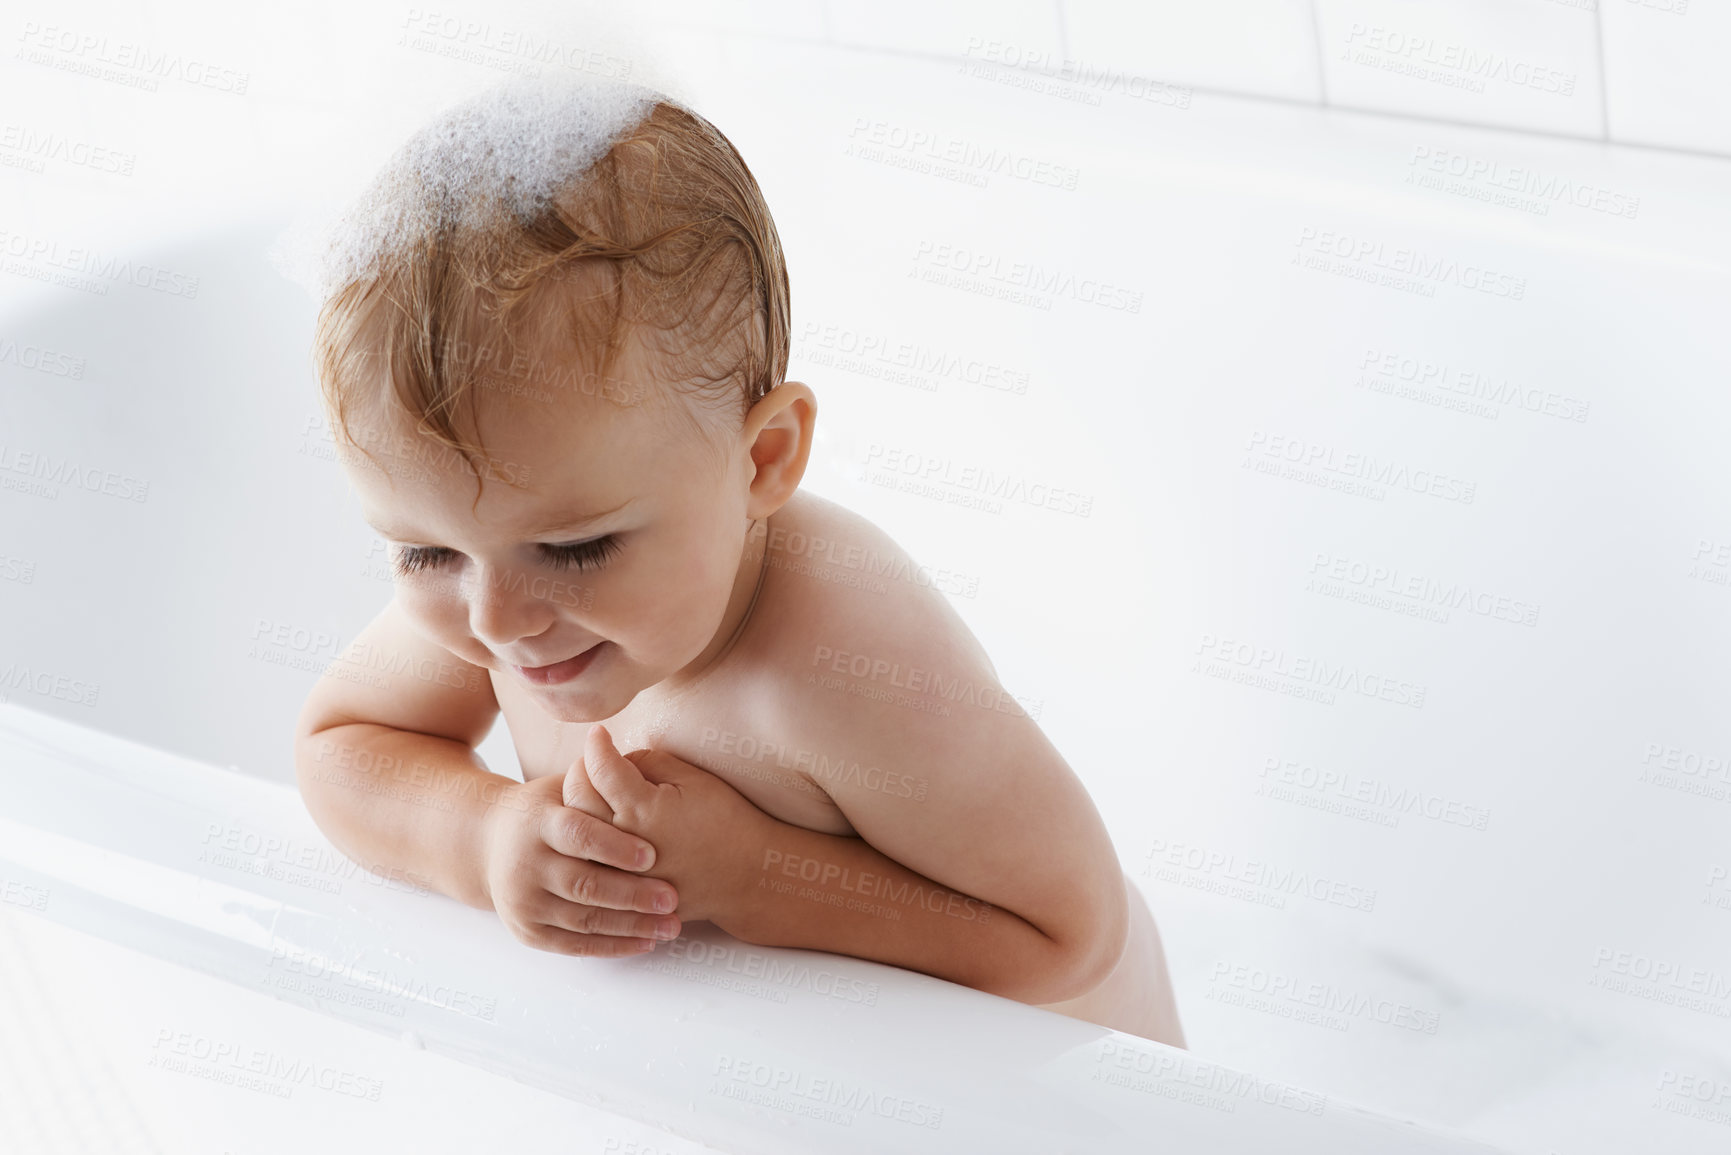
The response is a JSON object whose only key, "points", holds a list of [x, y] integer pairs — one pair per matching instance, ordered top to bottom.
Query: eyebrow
{"points": [[566, 521]]}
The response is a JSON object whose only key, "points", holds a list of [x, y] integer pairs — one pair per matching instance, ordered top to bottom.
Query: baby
{"points": [[556, 330]]}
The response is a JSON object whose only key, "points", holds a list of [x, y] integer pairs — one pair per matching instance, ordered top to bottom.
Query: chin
{"points": [[572, 703], [579, 712]]}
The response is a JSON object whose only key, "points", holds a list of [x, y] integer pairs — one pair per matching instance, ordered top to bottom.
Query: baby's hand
{"points": [[705, 832], [548, 876]]}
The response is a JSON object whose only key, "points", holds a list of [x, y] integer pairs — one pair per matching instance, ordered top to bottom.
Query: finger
{"points": [[658, 766], [610, 772], [575, 782], [581, 795], [579, 835], [594, 885], [614, 923], [562, 941]]}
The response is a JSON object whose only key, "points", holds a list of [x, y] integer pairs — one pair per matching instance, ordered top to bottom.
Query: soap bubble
{"points": [[504, 152]]}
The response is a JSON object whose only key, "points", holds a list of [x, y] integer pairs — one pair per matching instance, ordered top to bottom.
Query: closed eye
{"points": [[583, 555]]}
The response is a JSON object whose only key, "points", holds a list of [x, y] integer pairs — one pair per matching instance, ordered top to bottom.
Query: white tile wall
{"points": [[797, 18], [948, 28], [1265, 47], [1525, 64], [1635, 71], [1665, 74]]}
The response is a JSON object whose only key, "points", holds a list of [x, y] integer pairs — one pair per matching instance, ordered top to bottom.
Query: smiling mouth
{"points": [[559, 671]]}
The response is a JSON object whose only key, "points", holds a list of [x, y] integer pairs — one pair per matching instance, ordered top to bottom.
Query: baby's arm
{"points": [[385, 760], [1003, 821], [842, 894], [1034, 907]]}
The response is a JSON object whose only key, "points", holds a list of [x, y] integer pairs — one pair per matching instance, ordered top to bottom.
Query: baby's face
{"points": [[623, 549]]}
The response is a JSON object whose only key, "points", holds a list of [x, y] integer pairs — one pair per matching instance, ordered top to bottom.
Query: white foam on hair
{"points": [[507, 150]]}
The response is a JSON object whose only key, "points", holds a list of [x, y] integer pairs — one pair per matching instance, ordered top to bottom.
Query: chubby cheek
{"points": [[666, 612], [444, 617], [656, 621]]}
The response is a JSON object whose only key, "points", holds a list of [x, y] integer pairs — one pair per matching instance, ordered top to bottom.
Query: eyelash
{"points": [[584, 555]]}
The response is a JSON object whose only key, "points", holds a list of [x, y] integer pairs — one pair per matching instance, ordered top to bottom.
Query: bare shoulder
{"points": [[842, 581], [860, 646], [892, 709]]}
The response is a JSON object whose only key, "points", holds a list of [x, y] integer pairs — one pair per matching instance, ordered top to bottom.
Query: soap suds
{"points": [[504, 151]]}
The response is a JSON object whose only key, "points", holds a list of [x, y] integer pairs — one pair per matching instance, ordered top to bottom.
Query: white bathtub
{"points": [[1504, 912], [709, 1041]]}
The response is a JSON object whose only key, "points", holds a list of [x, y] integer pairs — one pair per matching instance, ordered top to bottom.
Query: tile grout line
{"points": [[1321, 61], [1604, 90], [1414, 118]]}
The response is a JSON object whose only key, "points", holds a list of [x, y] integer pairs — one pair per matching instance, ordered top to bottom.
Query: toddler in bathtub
{"points": [[552, 346]]}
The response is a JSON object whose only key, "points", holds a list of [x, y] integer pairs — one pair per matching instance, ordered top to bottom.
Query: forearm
{"points": [[394, 800], [840, 894]]}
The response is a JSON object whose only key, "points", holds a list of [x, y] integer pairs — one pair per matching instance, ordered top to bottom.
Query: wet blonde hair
{"points": [[666, 237]]}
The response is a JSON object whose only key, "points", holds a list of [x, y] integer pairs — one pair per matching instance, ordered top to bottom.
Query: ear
{"points": [[779, 430]]}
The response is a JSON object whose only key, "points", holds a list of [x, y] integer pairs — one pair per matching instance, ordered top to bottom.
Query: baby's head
{"points": [[586, 276]]}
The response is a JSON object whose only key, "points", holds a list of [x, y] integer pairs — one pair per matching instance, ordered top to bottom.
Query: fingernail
{"points": [[644, 857], [664, 904], [666, 930], [645, 947]]}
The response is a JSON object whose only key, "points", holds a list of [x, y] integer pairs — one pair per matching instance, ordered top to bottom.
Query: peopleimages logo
{"points": [[1401, 52], [123, 61], [1085, 79], [882, 140], [33, 149], [1545, 188], [48, 253], [1424, 268], [1024, 275], [871, 354], [40, 359], [1470, 384], [1355, 467], [45, 470], [987, 484], [1388, 586], [1217, 655], [915, 680], [835, 770], [1372, 792], [1168, 861], [903, 893], [779, 974], [1665, 980], [1334, 1002], [1176, 1074], [832, 1100]]}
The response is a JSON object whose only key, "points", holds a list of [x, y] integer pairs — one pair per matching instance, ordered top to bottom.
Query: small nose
{"points": [[500, 612]]}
